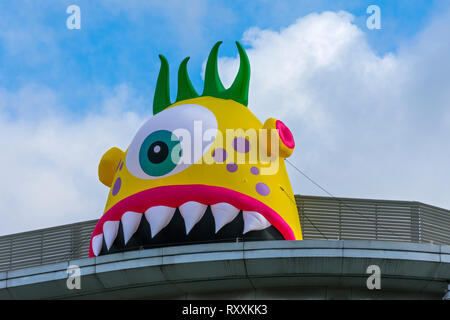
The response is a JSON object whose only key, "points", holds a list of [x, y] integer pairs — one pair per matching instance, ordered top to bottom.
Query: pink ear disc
{"points": [[285, 134], [286, 142]]}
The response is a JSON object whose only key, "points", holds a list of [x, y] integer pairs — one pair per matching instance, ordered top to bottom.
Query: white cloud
{"points": [[365, 125], [49, 161]]}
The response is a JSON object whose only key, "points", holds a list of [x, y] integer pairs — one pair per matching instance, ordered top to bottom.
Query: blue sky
{"points": [[119, 41], [369, 109]]}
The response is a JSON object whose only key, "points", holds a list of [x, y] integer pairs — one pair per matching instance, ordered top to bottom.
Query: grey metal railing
{"points": [[321, 218], [366, 219], [45, 246]]}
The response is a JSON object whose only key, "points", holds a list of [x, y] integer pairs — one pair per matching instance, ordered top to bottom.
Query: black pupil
{"points": [[158, 152]]}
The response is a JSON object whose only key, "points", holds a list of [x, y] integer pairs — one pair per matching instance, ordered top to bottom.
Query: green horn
{"points": [[213, 86], [185, 88], [238, 91], [161, 100]]}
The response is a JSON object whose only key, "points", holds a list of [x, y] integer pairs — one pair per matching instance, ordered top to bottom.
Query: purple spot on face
{"points": [[241, 145], [220, 155], [121, 165], [232, 167], [254, 170], [117, 186], [262, 189]]}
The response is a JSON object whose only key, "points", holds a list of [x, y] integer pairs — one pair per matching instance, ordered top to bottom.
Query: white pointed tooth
{"points": [[192, 212], [223, 213], [159, 217], [254, 221], [130, 223], [110, 229], [97, 244]]}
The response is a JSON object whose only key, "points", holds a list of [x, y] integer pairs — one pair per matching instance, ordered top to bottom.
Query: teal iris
{"points": [[160, 153]]}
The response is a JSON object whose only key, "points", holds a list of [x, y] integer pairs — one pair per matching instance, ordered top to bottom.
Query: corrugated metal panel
{"points": [[321, 218], [364, 219], [435, 224], [45, 246]]}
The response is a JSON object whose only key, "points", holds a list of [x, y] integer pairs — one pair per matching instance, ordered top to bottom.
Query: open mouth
{"points": [[182, 214]]}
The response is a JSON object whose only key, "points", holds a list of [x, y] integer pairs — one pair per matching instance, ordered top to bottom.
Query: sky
{"points": [[369, 108]]}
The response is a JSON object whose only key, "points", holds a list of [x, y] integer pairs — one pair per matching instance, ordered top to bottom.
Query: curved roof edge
{"points": [[317, 269]]}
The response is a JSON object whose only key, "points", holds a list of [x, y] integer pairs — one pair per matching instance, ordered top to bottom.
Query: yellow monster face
{"points": [[202, 169]]}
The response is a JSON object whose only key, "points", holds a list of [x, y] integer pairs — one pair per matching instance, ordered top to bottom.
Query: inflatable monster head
{"points": [[202, 169]]}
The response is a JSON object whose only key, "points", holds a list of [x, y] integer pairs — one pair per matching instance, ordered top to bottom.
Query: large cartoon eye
{"points": [[164, 145], [160, 153]]}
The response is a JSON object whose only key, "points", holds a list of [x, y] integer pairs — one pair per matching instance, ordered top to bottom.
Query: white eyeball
{"points": [[171, 141]]}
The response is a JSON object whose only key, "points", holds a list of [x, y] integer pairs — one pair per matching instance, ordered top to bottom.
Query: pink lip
{"points": [[174, 196]]}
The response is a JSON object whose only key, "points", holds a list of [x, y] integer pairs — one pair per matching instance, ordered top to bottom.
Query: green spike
{"points": [[213, 86], [185, 88], [238, 91], [161, 100]]}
